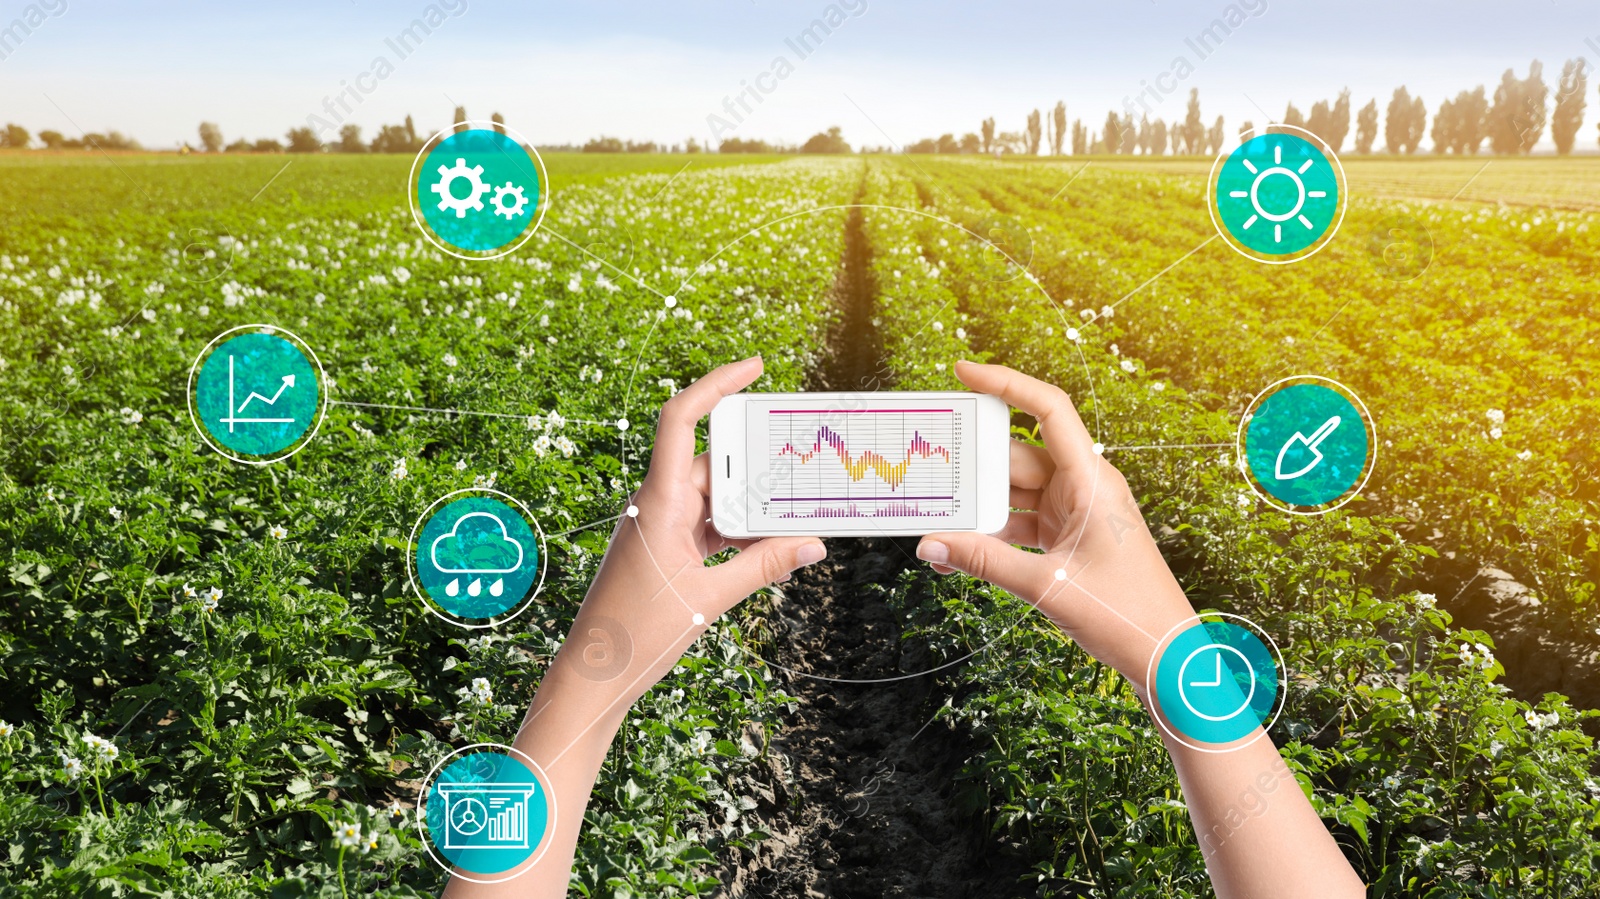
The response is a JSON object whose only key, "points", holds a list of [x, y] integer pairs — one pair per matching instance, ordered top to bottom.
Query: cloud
{"points": [[478, 550]]}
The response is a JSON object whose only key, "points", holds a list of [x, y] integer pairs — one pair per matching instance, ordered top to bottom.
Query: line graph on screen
{"points": [[864, 463]]}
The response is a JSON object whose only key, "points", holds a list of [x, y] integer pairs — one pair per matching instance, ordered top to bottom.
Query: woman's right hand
{"points": [[1101, 577]]}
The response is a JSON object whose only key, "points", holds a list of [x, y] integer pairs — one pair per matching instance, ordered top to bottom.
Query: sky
{"points": [[888, 73]]}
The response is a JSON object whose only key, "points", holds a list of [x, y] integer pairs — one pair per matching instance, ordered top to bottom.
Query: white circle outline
{"points": [[478, 125], [1344, 194], [1426, 231], [322, 385], [1244, 462], [527, 516], [1198, 620], [1185, 696], [549, 824]]}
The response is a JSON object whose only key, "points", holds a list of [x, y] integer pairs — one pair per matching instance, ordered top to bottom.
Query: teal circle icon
{"points": [[478, 193], [1279, 196], [256, 394], [1307, 443], [477, 557], [1217, 681], [488, 811]]}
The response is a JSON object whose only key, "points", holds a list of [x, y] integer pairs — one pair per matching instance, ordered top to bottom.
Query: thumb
{"points": [[986, 558], [763, 562]]}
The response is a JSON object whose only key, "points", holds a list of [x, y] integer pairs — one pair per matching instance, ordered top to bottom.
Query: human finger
{"points": [[1065, 438]]}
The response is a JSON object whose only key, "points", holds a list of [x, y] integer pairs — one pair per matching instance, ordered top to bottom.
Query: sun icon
{"points": [[1291, 182], [1301, 194]]}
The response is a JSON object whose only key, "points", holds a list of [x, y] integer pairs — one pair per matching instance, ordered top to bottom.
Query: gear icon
{"points": [[474, 200], [509, 210]]}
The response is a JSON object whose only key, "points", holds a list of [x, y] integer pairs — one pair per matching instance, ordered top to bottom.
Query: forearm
{"points": [[568, 731], [1256, 828]]}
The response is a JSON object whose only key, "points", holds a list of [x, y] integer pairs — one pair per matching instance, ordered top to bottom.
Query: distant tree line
{"points": [[1512, 120]]}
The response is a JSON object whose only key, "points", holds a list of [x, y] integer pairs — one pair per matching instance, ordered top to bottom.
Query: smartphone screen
{"points": [[870, 463]]}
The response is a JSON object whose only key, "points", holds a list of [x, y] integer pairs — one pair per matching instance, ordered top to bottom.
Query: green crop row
{"points": [[245, 637], [1434, 779]]}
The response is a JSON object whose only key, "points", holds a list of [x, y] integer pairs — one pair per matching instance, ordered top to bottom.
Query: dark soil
{"points": [[864, 785]]}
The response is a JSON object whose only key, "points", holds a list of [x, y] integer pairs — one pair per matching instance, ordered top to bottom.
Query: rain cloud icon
{"points": [[483, 548]]}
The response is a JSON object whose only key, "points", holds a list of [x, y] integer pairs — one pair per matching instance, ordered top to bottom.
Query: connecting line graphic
{"points": [[1069, 181], [603, 261], [1169, 268], [577, 421], [1166, 446]]}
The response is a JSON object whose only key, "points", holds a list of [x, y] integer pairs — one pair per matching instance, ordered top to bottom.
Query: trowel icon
{"points": [[1310, 451]]}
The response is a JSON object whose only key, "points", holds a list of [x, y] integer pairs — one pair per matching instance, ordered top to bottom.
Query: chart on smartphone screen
{"points": [[878, 462]]}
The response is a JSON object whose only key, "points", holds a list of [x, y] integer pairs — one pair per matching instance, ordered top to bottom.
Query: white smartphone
{"points": [[859, 464]]}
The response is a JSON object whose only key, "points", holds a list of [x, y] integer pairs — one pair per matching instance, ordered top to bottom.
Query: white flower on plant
{"points": [[1107, 311], [938, 326], [961, 333], [1072, 335], [1114, 350], [450, 360], [1128, 366], [669, 385], [131, 416], [1495, 416], [554, 421], [1494, 433], [565, 445], [541, 446], [1525, 455], [461, 465], [399, 471], [485, 481], [50, 494], [1246, 500], [116, 514], [278, 532], [189, 591], [213, 595], [1426, 600], [475, 644], [477, 694], [6, 730], [104, 750], [71, 766], [1391, 782], [395, 809], [347, 835], [370, 844]]}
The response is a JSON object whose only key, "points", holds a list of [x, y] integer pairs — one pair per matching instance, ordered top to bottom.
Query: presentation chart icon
{"points": [[478, 191], [1278, 197], [257, 394], [1307, 444], [477, 557], [1216, 681], [487, 810]]}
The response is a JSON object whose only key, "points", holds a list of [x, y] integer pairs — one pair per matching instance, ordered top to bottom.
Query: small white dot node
{"points": [[671, 301], [622, 424], [1099, 448], [633, 511], [1061, 574], [699, 618]]}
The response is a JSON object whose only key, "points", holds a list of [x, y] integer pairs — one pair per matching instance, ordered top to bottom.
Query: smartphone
{"points": [[859, 464]]}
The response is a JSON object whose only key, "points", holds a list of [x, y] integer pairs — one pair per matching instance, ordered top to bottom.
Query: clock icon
{"points": [[1205, 691], [468, 816]]}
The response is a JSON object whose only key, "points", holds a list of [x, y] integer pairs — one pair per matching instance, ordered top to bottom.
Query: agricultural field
{"points": [[246, 641]]}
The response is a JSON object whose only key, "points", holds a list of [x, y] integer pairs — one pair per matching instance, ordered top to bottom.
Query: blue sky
{"points": [[894, 72]]}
